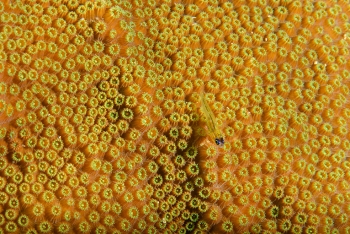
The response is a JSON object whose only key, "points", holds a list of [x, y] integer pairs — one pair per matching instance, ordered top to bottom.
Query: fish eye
{"points": [[221, 141]]}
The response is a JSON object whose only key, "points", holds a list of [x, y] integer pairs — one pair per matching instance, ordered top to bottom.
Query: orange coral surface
{"points": [[102, 130]]}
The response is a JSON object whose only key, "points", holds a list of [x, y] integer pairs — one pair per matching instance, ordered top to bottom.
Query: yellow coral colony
{"points": [[99, 129]]}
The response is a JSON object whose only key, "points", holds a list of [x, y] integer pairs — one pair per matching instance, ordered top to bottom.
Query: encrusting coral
{"points": [[102, 131]]}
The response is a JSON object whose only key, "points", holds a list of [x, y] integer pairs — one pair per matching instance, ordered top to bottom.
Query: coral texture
{"points": [[102, 130]]}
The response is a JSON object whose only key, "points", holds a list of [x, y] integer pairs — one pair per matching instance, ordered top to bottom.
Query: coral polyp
{"points": [[102, 126]]}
